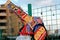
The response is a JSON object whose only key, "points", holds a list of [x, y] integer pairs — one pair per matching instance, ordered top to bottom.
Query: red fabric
{"points": [[18, 11], [25, 31], [42, 36]]}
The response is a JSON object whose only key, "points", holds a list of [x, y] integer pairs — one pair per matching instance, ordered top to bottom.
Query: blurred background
{"points": [[47, 10]]}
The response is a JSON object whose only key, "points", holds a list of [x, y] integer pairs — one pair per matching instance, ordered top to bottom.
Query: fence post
{"points": [[30, 9]]}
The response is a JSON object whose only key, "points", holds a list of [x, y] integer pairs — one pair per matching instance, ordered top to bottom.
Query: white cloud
{"points": [[42, 2], [47, 2], [35, 3]]}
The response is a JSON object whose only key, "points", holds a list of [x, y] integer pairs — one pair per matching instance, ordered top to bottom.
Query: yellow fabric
{"points": [[28, 19], [38, 33]]}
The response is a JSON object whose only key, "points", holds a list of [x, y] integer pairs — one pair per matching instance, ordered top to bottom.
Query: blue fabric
{"points": [[37, 26], [28, 28]]}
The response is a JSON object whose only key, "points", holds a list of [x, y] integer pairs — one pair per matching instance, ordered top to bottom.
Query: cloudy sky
{"points": [[35, 3]]}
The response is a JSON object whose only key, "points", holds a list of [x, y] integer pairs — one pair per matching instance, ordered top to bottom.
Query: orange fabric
{"points": [[40, 34]]}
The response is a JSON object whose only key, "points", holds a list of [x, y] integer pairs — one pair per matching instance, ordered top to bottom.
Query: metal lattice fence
{"points": [[51, 18]]}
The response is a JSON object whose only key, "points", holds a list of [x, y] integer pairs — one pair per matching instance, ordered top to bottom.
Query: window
{"points": [[48, 8], [53, 8], [44, 9], [2, 10], [35, 10], [39, 10], [32, 11], [54, 12], [58, 12], [44, 13], [49, 13], [34, 14], [38, 14], [2, 17], [44, 17], [48, 17], [54, 17], [58, 17], [49, 22], [53, 22], [58, 22], [2, 24], [59, 26], [51, 27], [54, 27], [12, 30]]}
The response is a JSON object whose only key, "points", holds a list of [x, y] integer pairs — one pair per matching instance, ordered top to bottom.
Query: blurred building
{"points": [[3, 19], [9, 22]]}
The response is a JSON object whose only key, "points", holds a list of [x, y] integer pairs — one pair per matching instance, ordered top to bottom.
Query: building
{"points": [[3, 19], [9, 22]]}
